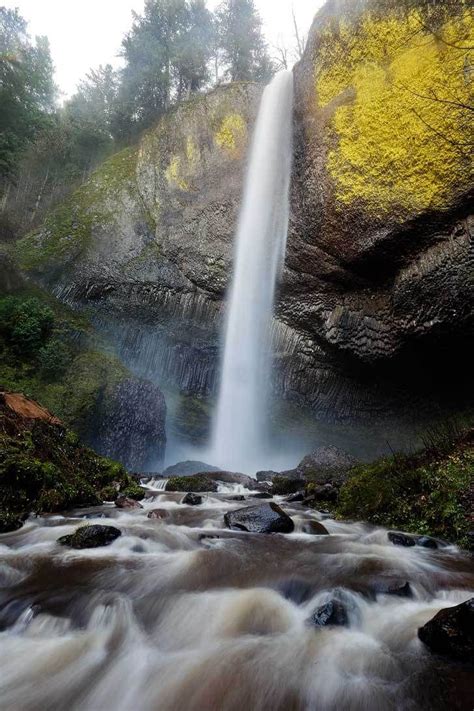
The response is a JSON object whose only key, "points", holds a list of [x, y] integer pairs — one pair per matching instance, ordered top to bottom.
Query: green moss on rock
{"points": [[67, 231], [45, 468], [191, 483], [429, 493]]}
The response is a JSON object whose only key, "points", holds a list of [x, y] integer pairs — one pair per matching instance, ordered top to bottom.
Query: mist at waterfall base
{"points": [[240, 437]]}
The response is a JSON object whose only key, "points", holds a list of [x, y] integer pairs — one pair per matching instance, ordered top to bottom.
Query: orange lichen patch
{"points": [[29, 409]]}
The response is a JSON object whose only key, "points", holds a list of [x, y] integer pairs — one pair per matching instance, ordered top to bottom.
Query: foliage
{"points": [[243, 49], [166, 57], [399, 88], [27, 89], [25, 323], [60, 371], [43, 468], [428, 493]]}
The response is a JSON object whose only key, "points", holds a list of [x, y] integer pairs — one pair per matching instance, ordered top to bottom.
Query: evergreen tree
{"points": [[243, 47], [167, 53], [27, 90]]}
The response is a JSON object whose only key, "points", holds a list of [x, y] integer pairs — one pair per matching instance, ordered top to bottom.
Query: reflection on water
{"points": [[181, 614]]}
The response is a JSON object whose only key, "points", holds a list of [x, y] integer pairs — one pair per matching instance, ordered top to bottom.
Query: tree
{"points": [[244, 50], [167, 54], [27, 90]]}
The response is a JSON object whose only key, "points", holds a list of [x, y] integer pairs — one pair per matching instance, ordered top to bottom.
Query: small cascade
{"points": [[239, 434]]}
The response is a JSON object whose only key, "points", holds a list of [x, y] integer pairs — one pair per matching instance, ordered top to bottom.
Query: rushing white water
{"points": [[239, 428], [180, 613]]}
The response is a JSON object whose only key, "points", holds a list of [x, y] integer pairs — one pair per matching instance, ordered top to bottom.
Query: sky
{"points": [[87, 33]]}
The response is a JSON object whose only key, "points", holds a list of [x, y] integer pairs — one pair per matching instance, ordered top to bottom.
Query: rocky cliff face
{"points": [[380, 259], [377, 292]]}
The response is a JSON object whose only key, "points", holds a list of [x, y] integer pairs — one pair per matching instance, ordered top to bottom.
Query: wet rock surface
{"points": [[192, 499], [124, 502], [266, 518], [91, 537], [401, 539], [332, 613], [451, 632]]}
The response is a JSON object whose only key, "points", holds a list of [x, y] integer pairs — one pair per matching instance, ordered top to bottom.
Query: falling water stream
{"points": [[239, 435], [182, 614]]}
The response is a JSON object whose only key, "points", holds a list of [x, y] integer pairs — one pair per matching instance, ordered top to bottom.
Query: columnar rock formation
{"points": [[377, 295]]}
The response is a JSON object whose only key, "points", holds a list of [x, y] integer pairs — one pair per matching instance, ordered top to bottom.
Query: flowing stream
{"points": [[239, 435], [182, 614]]}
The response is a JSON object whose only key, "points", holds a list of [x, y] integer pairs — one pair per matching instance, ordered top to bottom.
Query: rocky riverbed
{"points": [[177, 610]]}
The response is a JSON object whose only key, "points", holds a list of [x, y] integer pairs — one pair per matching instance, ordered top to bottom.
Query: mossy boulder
{"points": [[43, 465], [193, 484], [282, 485], [91, 537]]}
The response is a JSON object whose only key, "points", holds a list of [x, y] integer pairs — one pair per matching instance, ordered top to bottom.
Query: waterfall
{"points": [[239, 434]]}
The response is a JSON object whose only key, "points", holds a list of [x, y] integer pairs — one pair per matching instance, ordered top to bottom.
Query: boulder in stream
{"points": [[196, 483], [192, 499], [124, 502], [158, 514], [265, 518], [314, 528], [90, 537], [401, 539], [331, 613], [451, 632]]}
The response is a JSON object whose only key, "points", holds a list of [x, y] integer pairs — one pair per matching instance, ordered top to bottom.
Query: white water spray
{"points": [[239, 430]]}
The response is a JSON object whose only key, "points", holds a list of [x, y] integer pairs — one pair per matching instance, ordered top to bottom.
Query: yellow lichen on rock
{"points": [[397, 91], [231, 135], [182, 168], [174, 173]]}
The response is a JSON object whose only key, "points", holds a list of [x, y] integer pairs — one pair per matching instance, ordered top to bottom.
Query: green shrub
{"points": [[25, 323], [53, 359], [426, 493]]}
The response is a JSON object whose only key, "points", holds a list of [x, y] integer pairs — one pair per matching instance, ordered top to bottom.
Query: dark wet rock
{"points": [[131, 424], [326, 465], [189, 468], [196, 483], [283, 485], [261, 486], [325, 492], [261, 495], [237, 497], [296, 497], [192, 499], [309, 501], [124, 502], [158, 514], [93, 515], [265, 518], [10, 522], [315, 528], [206, 536], [90, 537], [401, 539], [426, 542], [138, 548], [390, 586], [298, 590], [331, 613], [451, 632]]}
